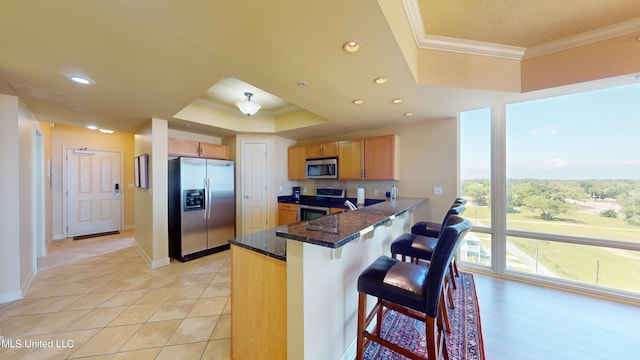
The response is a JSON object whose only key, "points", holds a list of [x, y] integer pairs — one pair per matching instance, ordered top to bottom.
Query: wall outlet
{"points": [[437, 190], [376, 192]]}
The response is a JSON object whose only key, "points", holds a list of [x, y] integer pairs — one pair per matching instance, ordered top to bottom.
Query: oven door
{"points": [[312, 212]]}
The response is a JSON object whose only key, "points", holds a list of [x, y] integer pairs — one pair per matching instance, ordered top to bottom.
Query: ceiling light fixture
{"points": [[351, 46], [80, 79], [380, 80], [396, 101], [358, 102], [247, 106], [407, 114], [92, 127], [106, 131]]}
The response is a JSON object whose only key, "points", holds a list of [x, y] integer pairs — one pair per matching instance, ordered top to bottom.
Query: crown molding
{"points": [[605, 33], [443, 43], [234, 110]]}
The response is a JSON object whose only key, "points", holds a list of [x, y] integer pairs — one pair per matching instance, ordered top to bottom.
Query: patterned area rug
{"points": [[464, 342]]}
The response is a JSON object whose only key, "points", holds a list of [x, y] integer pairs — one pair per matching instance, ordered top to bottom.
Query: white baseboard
{"points": [[59, 236], [152, 264], [27, 282], [10, 296], [350, 353]]}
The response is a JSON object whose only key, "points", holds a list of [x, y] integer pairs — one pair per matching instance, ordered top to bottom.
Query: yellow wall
{"points": [[77, 137]]}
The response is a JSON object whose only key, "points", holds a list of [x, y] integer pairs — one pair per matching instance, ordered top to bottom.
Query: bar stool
{"points": [[419, 245], [414, 290]]}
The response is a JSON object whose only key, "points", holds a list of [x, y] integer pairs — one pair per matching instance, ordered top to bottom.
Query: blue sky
{"points": [[591, 135]]}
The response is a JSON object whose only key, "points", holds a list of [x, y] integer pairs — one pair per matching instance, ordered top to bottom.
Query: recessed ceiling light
{"points": [[351, 46], [80, 79], [380, 80], [396, 101], [358, 102], [408, 114], [92, 127], [105, 131]]}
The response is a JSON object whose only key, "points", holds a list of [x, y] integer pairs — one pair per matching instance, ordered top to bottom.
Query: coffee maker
{"points": [[296, 193]]}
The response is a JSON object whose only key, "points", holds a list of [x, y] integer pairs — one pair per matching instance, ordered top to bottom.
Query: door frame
{"points": [[65, 198], [270, 203]]}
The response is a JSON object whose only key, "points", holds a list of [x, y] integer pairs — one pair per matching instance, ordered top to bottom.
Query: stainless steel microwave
{"points": [[322, 168]]}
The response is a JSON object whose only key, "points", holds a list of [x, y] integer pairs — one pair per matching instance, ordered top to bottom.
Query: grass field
{"points": [[608, 267]]}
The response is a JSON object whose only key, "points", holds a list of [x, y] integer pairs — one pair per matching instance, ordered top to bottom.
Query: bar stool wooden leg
{"points": [[362, 324]]}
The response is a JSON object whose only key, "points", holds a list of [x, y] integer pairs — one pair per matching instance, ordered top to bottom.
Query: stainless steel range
{"points": [[322, 203]]}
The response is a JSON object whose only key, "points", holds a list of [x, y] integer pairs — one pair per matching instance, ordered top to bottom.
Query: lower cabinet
{"points": [[287, 214]]}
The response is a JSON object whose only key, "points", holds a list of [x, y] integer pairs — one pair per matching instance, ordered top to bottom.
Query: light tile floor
{"points": [[97, 299]]}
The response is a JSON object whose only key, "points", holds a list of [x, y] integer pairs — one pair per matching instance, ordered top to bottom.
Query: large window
{"points": [[475, 174], [569, 191]]}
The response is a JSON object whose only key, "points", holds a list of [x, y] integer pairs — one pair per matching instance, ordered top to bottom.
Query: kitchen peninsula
{"points": [[294, 287]]}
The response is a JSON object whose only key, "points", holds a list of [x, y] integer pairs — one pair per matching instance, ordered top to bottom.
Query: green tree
{"points": [[478, 190], [548, 207]]}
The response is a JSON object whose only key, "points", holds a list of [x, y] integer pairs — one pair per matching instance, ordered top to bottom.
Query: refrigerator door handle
{"points": [[206, 197], [209, 201]]}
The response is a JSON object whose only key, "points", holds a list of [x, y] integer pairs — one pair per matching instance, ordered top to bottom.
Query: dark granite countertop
{"points": [[322, 201], [336, 230], [332, 231], [265, 242]]}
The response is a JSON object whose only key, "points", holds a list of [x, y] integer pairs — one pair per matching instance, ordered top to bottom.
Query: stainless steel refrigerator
{"points": [[201, 207]]}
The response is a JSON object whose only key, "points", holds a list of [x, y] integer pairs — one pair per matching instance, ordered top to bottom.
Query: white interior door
{"points": [[254, 187], [93, 192]]}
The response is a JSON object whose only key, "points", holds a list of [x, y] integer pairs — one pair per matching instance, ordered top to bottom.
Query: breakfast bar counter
{"points": [[294, 287]]}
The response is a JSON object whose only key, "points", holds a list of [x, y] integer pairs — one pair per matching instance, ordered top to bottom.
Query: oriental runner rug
{"points": [[463, 343]]}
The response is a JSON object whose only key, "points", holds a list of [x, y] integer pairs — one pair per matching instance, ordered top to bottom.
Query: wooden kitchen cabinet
{"points": [[180, 147], [323, 150], [214, 151], [350, 156], [373, 158], [380, 158], [297, 166], [336, 210], [287, 214]]}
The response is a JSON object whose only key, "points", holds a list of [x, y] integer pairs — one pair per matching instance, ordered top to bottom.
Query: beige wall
{"points": [[598, 60], [76, 137], [25, 209], [9, 216], [152, 240]]}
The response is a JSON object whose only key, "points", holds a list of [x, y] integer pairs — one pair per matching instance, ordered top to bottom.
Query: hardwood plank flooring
{"points": [[523, 321]]}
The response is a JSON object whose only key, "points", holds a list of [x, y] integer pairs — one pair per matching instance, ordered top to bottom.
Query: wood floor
{"points": [[522, 321]]}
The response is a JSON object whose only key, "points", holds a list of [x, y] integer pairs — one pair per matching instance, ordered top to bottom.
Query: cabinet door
{"points": [[179, 147], [330, 149], [323, 150], [214, 151], [315, 151], [379, 158], [350, 159], [297, 162], [287, 214]]}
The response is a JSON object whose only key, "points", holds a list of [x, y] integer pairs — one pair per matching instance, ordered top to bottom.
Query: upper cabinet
{"points": [[180, 147], [323, 150], [373, 158], [380, 158], [350, 159], [297, 162]]}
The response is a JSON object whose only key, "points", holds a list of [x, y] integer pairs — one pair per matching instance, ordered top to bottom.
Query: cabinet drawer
{"points": [[287, 207]]}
